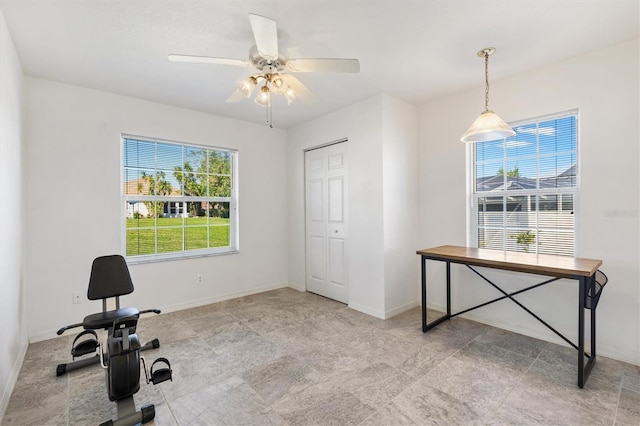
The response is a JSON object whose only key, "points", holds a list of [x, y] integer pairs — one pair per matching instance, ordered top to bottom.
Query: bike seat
{"points": [[104, 320]]}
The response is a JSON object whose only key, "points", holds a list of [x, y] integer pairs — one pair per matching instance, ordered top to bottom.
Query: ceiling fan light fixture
{"points": [[278, 85], [246, 86], [290, 94], [264, 97], [488, 126]]}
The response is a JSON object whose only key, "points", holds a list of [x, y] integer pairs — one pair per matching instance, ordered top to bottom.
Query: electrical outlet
{"points": [[200, 279], [76, 297]]}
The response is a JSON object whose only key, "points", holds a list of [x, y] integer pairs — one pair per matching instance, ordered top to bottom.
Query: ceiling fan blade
{"points": [[265, 31], [209, 60], [323, 65], [302, 92], [236, 96]]}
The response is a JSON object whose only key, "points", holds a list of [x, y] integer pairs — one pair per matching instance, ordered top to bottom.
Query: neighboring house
{"points": [[496, 182], [141, 186], [170, 208], [550, 213]]}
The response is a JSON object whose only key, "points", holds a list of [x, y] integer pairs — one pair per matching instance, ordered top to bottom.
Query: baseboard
{"points": [[223, 297], [193, 304], [400, 309], [367, 310], [383, 314], [542, 334], [608, 351], [619, 354], [13, 378]]}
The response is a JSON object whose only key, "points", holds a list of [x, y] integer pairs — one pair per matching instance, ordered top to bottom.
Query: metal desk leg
{"points": [[448, 289], [424, 293], [581, 300], [425, 325], [593, 334], [592, 355], [584, 369]]}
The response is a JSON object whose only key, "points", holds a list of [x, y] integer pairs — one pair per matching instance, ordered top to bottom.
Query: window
{"points": [[524, 187], [179, 200]]}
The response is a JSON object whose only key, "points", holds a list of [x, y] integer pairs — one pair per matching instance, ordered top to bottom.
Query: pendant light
{"points": [[488, 126]]}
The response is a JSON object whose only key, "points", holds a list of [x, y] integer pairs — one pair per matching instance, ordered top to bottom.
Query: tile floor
{"points": [[290, 358]]}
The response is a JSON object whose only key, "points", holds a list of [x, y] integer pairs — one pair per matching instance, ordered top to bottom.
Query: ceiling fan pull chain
{"points": [[270, 115]]}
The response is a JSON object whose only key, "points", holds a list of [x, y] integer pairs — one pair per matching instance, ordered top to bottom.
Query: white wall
{"points": [[604, 86], [374, 128], [74, 203], [400, 205], [366, 225], [12, 301]]}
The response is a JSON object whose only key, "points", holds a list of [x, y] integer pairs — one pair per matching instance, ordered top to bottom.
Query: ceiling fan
{"points": [[273, 76]]}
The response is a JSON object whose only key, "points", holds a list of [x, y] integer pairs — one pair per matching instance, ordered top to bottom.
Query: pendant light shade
{"points": [[278, 85], [246, 86], [264, 97], [488, 126]]}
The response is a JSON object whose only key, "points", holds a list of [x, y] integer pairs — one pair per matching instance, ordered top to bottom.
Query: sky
{"points": [[545, 149]]}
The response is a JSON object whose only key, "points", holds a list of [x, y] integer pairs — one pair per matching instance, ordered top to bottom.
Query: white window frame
{"points": [[473, 195], [184, 254]]}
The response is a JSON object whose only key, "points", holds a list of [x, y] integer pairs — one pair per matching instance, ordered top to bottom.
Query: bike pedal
{"points": [[87, 346], [161, 374]]}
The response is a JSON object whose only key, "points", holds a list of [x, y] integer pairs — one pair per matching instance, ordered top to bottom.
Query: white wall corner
{"points": [[298, 286], [13, 378]]}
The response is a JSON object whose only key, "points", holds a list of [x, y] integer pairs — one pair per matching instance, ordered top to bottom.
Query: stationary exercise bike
{"points": [[120, 357]]}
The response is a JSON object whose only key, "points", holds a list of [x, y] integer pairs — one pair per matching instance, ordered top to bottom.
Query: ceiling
{"points": [[415, 50]]}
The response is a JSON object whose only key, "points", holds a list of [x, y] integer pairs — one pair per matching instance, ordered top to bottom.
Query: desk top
{"points": [[541, 264]]}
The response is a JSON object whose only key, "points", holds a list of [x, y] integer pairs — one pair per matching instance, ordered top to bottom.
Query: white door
{"points": [[326, 221]]}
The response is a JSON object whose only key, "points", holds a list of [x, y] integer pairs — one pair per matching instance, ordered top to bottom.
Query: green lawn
{"points": [[142, 235]]}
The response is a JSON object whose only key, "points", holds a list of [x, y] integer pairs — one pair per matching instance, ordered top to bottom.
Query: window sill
{"points": [[136, 260]]}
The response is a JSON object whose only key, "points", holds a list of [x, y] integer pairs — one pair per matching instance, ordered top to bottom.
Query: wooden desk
{"points": [[557, 267]]}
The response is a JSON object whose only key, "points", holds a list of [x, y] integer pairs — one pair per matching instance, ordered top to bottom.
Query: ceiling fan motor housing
{"points": [[265, 65]]}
